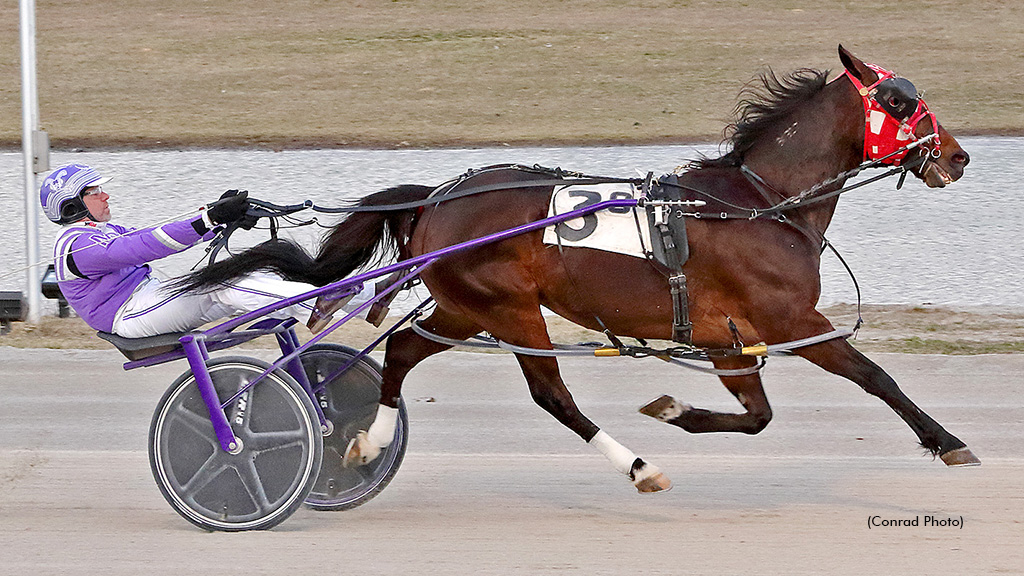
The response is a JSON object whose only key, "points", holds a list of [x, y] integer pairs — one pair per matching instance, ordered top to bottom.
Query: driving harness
{"points": [[670, 248]]}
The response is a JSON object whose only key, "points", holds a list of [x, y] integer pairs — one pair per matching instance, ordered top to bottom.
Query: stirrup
{"points": [[379, 310], [323, 311]]}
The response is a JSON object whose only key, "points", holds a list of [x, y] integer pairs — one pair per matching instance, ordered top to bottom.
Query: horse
{"points": [[753, 280]]}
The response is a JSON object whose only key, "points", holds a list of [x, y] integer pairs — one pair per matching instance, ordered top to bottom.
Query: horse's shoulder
{"points": [[709, 177], [718, 182]]}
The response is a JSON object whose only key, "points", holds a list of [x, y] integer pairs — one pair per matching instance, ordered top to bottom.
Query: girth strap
{"points": [[670, 249], [682, 328]]}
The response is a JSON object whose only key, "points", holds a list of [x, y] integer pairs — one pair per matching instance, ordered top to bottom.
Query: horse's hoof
{"points": [[664, 408], [359, 451], [351, 454], [960, 457], [648, 478], [656, 482]]}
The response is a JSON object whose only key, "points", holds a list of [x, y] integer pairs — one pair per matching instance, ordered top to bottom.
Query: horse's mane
{"points": [[764, 102]]}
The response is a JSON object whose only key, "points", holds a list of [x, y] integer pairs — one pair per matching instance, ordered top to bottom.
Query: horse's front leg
{"points": [[839, 357], [746, 388]]}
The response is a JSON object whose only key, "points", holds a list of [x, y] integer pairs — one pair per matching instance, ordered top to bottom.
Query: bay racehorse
{"points": [[755, 280]]}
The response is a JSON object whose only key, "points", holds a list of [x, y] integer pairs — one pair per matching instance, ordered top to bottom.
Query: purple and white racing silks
{"points": [[100, 265], [101, 269]]}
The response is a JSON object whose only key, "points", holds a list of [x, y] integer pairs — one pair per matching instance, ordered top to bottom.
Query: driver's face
{"points": [[96, 201]]}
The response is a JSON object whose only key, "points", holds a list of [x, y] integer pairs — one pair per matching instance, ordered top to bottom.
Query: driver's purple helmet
{"points": [[61, 190]]}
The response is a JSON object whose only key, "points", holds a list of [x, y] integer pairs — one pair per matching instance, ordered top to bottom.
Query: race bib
{"points": [[612, 230]]}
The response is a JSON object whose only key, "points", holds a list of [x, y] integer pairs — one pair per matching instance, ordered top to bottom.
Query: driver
{"points": [[102, 268]]}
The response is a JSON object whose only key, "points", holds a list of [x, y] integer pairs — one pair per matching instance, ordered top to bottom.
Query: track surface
{"points": [[492, 485]]}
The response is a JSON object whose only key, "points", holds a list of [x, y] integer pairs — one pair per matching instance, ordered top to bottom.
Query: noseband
{"points": [[892, 110]]}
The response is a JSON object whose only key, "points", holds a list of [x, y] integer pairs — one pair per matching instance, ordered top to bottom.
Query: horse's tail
{"points": [[370, 238], [360, 239], [283, 257]]}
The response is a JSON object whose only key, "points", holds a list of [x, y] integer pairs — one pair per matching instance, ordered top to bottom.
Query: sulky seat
{"points": [[140, 348]]}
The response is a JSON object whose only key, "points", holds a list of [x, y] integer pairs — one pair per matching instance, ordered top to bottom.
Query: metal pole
{"points": [[30, 124]]}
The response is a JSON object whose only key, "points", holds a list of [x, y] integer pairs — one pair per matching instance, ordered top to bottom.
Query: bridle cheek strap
{"points": [[922, 112], [884, 135]]}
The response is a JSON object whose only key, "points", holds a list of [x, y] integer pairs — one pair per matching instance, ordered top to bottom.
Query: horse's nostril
{"points": [[961, 158]]}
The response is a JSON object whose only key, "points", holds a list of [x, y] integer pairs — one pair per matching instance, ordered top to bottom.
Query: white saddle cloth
{"points": [[613, 230]]}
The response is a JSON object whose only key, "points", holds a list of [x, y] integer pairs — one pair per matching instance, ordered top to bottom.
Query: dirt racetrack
{"points": [[492, 485]]}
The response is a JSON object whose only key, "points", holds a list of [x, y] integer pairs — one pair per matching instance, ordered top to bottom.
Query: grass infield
{"points": [[316, 73]]}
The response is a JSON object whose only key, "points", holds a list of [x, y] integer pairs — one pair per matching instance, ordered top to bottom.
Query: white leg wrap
{"points": [[382, 431], [367, 445], [622, 458]]}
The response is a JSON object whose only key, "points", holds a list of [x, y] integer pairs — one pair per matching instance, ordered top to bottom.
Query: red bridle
{"points": [[885, 135]]}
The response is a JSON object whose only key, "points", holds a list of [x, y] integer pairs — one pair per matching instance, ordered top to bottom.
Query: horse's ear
{"points": [[856, 66]]}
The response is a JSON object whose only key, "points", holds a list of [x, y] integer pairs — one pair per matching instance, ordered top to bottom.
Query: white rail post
{"points": [[35, 147]]}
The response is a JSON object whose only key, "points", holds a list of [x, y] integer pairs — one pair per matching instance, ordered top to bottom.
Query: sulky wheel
{"points": [[350, 401], [279, 459]]}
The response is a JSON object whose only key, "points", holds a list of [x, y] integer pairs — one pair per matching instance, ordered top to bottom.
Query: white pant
{"points": [[153, 309]]}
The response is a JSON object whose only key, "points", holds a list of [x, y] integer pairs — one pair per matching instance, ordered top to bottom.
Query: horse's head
{"points": [[896, 116]]}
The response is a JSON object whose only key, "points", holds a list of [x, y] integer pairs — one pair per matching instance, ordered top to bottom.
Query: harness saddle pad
{"points": [[619, 230], [670, 246]]}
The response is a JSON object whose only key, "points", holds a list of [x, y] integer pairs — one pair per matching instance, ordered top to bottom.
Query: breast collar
{"points": [[884, 132]]}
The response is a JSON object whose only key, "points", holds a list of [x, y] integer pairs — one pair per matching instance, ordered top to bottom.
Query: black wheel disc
{"points": [[350, 402]]}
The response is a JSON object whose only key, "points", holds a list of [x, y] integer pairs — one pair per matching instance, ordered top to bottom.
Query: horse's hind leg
{"points": [[405, 349], [839, 357], [747, 389], [549, 392]]}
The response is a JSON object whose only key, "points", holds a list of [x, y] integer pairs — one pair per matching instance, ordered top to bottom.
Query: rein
{"points": [[443, 192], [812, 195], [257, 209]]}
